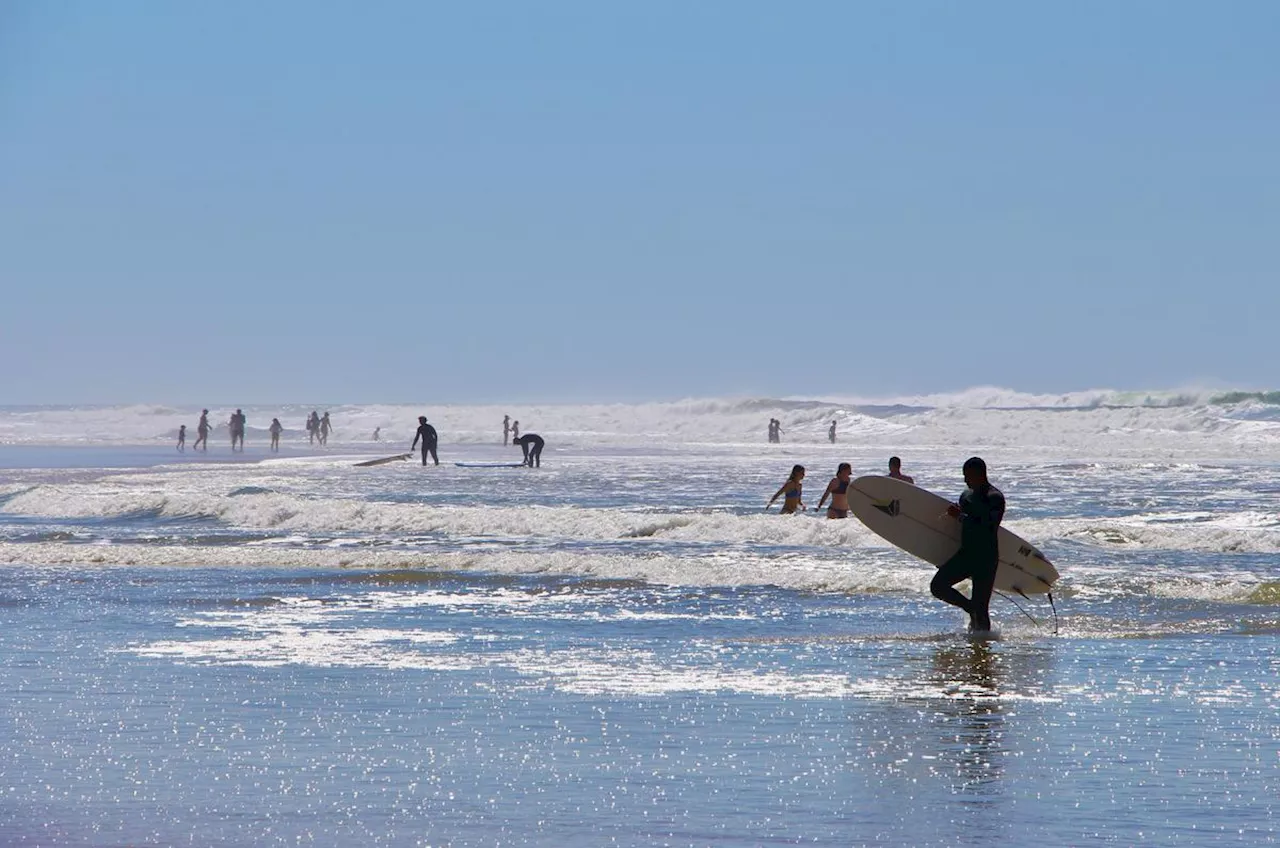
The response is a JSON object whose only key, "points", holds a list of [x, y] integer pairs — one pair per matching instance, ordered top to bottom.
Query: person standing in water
{"points": [[313, 427], [275, 429], [325, 429], [237, 430], [506, 430], [515, 431], [202, 432], [831, 433], [377, 434], [429, 438], [182, 439], [531, 444], [895, 471], [793, 489], [838, 489], [980, 511]]}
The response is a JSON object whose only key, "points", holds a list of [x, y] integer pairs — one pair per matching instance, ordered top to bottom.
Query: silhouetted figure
{"points": [[313, 427], [325, 429], [237, 430], [506, 430], [515, 431], [202, 432], [275, 434], [377, 434], [831, 434], [429, 437], [182, 438], [531, 444], [981, 509]]}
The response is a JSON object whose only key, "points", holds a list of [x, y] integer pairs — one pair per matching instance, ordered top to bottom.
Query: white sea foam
{"points": [[1103, 423]]}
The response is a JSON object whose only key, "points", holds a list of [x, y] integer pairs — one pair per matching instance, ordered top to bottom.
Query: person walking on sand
{"points": [[275, 429], [202, 432], [429, 438], [182, 439], [532, 445], [895, 471], [793, 489], [838, 489], [980, 511]]}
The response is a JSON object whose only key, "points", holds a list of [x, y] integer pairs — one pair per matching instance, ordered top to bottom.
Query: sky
{"points": [[246, 202]]}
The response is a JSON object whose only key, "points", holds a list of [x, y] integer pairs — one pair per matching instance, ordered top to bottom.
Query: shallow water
{"points": [[623, 648]]}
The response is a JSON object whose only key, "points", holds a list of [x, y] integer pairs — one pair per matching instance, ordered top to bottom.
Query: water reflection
{"points": [[970, 716]]}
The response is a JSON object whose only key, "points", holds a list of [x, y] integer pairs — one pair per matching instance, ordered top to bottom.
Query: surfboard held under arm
{"points": [[916, 521]]}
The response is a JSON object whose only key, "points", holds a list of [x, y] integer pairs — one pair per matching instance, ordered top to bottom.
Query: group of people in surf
{"points": [[318, 427], [775, 432], [530, 443], [838, 489], [979, 509]]}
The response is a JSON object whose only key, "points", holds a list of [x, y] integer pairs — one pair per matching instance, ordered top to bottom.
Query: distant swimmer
{"points": [[313, 427], [275, 429], [325, 429], [237, 430], [506, 430], [515, 431], [202, 432], [831, 433], [377, 434], [429, 437], [182, 438], [531, 444], [895, 471], [792, 489], [838, 490], [981, 509]]}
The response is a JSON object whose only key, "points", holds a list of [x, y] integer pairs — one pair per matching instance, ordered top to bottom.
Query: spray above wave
{"points": [[1105, 422]]}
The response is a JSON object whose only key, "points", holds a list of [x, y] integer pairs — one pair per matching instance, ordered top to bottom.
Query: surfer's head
{"points": [[422, 419], [975, 471]]}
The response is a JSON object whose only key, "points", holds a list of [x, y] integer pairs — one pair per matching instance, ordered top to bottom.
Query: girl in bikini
{"points": [[791, 489], [837, 489]]}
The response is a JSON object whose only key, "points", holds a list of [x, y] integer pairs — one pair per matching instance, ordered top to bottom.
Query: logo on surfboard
{"points": [[890, 508]]}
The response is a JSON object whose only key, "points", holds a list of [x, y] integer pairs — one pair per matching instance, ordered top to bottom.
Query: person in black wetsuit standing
{"points": [[429, 438], [531, 444], [981, 509]]}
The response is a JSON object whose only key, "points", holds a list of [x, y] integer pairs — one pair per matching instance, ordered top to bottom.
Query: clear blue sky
{"points": [[456, 202]]}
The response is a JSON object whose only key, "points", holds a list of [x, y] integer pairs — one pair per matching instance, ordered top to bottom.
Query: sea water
{"points": [[623, 646]]}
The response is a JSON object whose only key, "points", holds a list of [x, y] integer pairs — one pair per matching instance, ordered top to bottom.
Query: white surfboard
{"points": [[383, 460], [916, 521]]}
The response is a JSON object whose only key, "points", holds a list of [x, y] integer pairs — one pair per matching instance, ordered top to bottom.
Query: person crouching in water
{"points": [[429, 438], [531, 444], [792, 489], [838, 490]]}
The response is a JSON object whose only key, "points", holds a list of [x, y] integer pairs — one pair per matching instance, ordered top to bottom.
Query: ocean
{"points": [[624, 647]]}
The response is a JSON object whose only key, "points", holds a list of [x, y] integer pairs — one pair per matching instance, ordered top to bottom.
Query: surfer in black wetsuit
{"points": [[429, 438], [531, 444], [838, 489], [981, 509]]}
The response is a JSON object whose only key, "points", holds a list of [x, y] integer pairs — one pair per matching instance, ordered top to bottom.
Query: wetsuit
{"points": [[429, 438], [531, 444], [981, 510]]}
